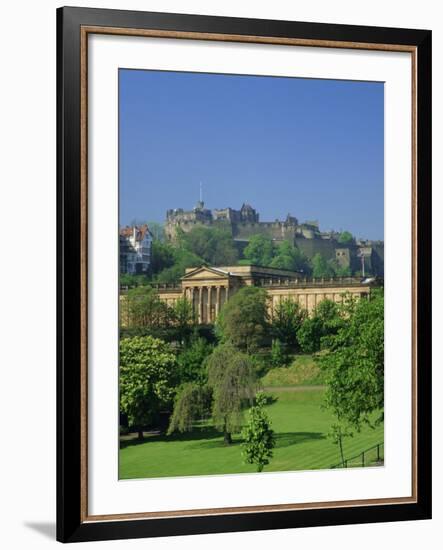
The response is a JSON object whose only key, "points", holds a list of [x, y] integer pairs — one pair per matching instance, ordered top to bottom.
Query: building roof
{"points": [[140, 231], [244, 271]]}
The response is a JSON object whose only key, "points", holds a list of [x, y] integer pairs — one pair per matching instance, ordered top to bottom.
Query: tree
{"points": [[345, 237], [213, 245], [223, 249], [260, 250], [162, 256], [288, 256], [182, 259], [321, 268], [338, 269], [343, 271], [131, 280], [145, 309], [331, 316], [184, 317], [243, 319], [287, 319], [315, 331], [309, 334], [279, 356], [191, 361], [354, 363], [232, 378], [147, 379], [192, 402], [337, 435], [259, 438]]}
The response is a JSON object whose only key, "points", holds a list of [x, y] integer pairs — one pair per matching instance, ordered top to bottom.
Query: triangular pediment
{"points": [[204, 272]]}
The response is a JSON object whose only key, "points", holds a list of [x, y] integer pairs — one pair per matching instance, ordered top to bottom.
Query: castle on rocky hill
{"points": [[244, 223]]}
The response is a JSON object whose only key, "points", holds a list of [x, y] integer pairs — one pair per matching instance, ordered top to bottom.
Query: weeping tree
{"points": [[232, 378], [229, 388], [193, 402]]}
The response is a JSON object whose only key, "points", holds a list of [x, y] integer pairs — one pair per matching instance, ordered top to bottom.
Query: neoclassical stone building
{"points": [[208, 288]]}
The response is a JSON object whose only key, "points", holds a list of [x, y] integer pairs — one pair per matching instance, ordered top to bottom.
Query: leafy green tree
{"points": [[345, 237], [213, 245], [223, 249], [260, 250], [162, 256], [288, 256], [182, 259], [321, 267], [340, 270], [343, 271], [131, 280], [145, 309], [329, 312], [184, 317], [332, 317], [243, 319], [287, 319], [315, 331], [310, 334], [279, 356], [191, 361], [354, 363], [232, 378], [147, 379], [193, 401], [258, 437]]}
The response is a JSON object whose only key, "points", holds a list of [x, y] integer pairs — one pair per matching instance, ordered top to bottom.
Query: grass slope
{"points": [[302, 371], [301, 427]]}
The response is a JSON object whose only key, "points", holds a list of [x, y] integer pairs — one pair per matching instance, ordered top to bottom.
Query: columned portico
{"points": [[207, 288], [207, 301]]}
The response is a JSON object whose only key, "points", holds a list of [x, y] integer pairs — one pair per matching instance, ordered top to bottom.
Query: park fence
{"points": [[374, 456]]}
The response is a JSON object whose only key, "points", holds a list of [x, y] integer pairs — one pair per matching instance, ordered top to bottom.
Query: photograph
{"points": [[251, 274], [226, 338]]}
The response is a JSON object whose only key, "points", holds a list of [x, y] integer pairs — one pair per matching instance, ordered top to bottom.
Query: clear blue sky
{"points": [[313, 148]]}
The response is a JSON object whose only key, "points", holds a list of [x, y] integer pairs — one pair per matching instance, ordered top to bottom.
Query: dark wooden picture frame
{"points": [[73, 25]]}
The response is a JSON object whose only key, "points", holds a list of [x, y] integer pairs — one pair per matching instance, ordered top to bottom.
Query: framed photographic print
{"points": [[244, 271]]}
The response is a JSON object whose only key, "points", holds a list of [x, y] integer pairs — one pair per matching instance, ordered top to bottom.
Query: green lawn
{"points": [[301, 427]]}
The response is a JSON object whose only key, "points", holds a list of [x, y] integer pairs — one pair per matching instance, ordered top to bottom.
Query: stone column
{"points": [[227, 293], [217, 301], [200, 304], [209, 315]]}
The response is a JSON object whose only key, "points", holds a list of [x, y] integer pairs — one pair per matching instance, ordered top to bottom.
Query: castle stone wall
{"points": [[244, 223]]}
